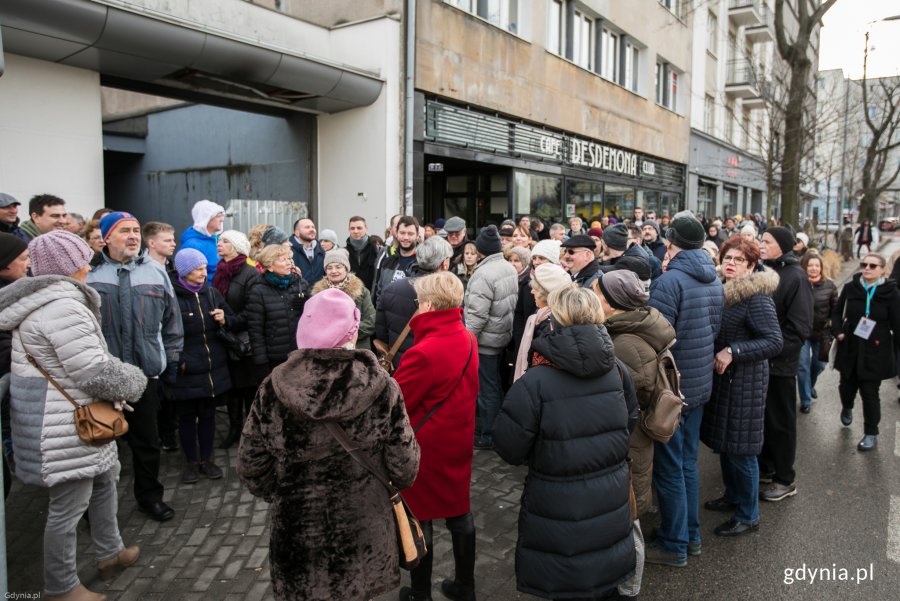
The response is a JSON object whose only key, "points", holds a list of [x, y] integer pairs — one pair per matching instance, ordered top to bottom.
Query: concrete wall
{"points": [[333, 12], [461, 57], [50, 133]]}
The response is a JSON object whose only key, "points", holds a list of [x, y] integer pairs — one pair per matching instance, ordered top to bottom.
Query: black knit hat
{"points": [[686, 233], [616, 236], [783, 237], [488, 241], [10, 248], [638, 266]]}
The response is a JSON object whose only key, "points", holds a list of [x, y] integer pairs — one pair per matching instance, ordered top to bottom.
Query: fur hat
{"points": [[111, 220], [686, 232], [616, 236], [784, 237], [488, 240], [238, 241], [13, 246], [549, 249], [58, 253], [337, 255], [189, 259], [623, 290], [330, 320]]}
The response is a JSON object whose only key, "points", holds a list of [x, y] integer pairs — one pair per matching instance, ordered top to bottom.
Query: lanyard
{"points": [[870, 292]]}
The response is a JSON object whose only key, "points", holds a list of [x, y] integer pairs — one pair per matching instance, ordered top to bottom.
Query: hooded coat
{"points": [[355, 289], [690, 297], [794, 305], [56, 320], [638, 337], [875, 358], [439, 369], [733, 419], [570, 422], [333, 531]]}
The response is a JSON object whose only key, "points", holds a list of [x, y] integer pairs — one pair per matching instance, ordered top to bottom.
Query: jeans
{"points": [[809, 370], [490, 394], [741, 476], [677, 486], [68, 502]]}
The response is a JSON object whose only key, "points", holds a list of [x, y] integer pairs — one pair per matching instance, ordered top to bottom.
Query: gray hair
{"points": [[558, 226], [431, 253]]}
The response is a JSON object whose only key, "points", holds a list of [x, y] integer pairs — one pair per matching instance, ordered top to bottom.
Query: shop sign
{"points": [[591, 154], [733, 163], [648, 168]]}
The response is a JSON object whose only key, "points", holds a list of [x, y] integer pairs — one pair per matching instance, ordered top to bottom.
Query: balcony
{"points": [[745, 13], [765, 31], [741, 80]]}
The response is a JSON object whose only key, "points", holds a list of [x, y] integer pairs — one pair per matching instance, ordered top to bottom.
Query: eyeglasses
{"points": [[575, 251], [735, 260], [865, 265]]}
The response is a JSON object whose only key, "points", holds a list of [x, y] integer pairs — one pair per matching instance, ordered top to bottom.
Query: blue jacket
{"points": [[206, 244], [314, 270], [690, 297]]}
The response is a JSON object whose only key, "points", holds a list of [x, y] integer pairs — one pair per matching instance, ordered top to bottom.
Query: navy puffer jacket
{"points": [[690, 297], [733, 419], [570, 422]]}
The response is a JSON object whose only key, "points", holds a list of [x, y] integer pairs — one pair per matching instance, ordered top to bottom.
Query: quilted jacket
{"points": [[690, 297], [490, 302], [272, 316], [733, 419]]}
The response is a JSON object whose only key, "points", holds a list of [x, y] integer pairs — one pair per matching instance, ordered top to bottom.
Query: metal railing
{"points": [[740, 71]]}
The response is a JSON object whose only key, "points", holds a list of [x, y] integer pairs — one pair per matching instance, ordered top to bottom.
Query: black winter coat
{"points": [[362, 263], [238, 294], [825, 296], [794, 306], [395, 308], [525, 308], [272, 316], [875, 358], [203, 364], [734, 417], [570, 423]]}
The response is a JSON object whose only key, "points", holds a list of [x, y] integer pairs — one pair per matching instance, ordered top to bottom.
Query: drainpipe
{"points": [[410, 106]]}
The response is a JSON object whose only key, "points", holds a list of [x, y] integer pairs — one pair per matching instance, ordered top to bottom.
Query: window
{"points": [[673, 6], [502, 13], [712, 33], [555, 37], [582, 41], [609, 42], [632, 64], [659, 83], [666, 85], [673, 90], [709, 114], [539, 195]]}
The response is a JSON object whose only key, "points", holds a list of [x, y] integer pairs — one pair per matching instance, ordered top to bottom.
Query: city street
{"points": [[842, 528]]}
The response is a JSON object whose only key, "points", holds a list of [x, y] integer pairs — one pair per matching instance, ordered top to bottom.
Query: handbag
{"points": [[237, 344], [825, 348], [386, 361], [97, 423], [410, 538]]}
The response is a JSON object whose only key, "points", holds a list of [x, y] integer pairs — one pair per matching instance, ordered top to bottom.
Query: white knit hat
{"points": [[238, 241], [549, 249]]}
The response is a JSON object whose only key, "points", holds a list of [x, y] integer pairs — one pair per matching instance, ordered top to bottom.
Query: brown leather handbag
{"points": [[387, 361], [97, 423]]}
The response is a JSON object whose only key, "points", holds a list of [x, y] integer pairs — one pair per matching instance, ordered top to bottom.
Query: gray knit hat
{"points": [[616, 236], [337, 255], [623, 290]]}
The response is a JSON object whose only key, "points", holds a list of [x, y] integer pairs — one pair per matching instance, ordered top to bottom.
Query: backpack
{"points": [[662, 416]]}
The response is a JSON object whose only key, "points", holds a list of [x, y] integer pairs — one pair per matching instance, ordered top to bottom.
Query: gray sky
{"points": [[843, 38]]}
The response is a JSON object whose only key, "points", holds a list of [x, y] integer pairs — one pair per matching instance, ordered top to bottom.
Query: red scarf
{"points": [[225, 270]]}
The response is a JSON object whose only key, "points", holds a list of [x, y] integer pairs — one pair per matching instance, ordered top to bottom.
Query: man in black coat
{"points": [[363, 252], [578, 258], [794, 306]]}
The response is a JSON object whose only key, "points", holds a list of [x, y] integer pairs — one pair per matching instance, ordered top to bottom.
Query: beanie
{"points": [[202, 212], [111, 220], [652, 223], [595, 232], [686, 232], [273, 235], [330, 236], [616, 236], [783, 237], [801, 237], [238, 240], [488, 241], [13, 246], [549, 249], [58, 253], [523, 253], [337, 255], [189, 259], [637, 265], [550, 277], [623, 290], [330, 320]]}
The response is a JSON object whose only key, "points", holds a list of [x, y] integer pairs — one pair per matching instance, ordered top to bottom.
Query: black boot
{"points": [[235, 422], [462, 588], [408, 594]]}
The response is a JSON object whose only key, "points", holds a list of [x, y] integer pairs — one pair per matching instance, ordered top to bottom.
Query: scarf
{"points": [[360, 244], [225, 271], [282, 282], [195, 288], [527, 336]]}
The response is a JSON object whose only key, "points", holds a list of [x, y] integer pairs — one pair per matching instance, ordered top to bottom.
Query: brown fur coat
{"points": [[333, 532]]}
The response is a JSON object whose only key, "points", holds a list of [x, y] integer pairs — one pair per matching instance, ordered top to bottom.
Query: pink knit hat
{"points": [[58, 253], [330, 320]]}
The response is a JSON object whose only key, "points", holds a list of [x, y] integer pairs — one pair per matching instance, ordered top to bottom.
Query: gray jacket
{"points": [[490, 302], [56, 320], [141, 321]]}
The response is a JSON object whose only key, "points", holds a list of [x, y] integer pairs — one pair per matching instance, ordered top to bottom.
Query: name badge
{"points": [[864, 328]]}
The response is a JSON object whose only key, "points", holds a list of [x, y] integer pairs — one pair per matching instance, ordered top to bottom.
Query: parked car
{"points": [[889, 224]]}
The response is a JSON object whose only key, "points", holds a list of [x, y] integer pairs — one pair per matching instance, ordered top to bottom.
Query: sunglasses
{"points": [[575, 251], [865, 265]]}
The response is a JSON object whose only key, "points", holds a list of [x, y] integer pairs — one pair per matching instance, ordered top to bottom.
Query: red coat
{"points": [[430, 371]]}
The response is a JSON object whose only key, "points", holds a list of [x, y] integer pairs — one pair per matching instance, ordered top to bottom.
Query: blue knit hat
{"points": [[111, 220], [189, 259]]}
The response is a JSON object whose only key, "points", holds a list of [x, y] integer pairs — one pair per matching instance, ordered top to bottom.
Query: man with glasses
{"points": [[455, 227], [578, 258], [794, 307]]}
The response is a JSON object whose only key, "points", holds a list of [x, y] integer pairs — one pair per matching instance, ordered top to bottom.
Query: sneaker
{"points": [[846, 416], [484, 443], [210, 470], [191, 472], [766, 478], [778, 492], [694, 549], [656, 554]]}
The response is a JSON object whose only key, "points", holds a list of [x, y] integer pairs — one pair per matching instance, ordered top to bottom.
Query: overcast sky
{"points": [[843, 38]]}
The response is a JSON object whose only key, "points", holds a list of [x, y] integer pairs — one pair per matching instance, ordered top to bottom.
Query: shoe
{"points": [[814, 394], [805, 408], [846, 416], [868, 442], [169, 444], [484, 444], [210, 470], [191, 472], [766, 478], [778, 491], [720, 504], [157, 510], [735, 528], [694, 549], [656, 554], [108, 568], [456, 591], [79, 593], [407, 594]]}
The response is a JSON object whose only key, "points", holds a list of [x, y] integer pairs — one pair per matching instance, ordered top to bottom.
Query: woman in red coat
{"points": [[439, 380]]}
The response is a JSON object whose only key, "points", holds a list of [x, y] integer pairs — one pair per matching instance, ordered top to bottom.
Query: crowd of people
{"points": [[543, 344]]}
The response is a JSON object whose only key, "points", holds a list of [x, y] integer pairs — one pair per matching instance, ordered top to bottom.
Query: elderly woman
{"points": [[93, 236], [337, 275], [547, 277], [825, 296], [273, 309], [55, 321], [866, 323], [439, 380], [569, 418], [733, 419], [333, 532]]}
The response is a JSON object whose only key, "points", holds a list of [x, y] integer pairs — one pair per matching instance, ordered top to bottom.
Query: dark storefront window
{"points": [[539, 195], [706, 197], [587, 198], [648, 200], [618, 201], [729, 202], [670, 203]]}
